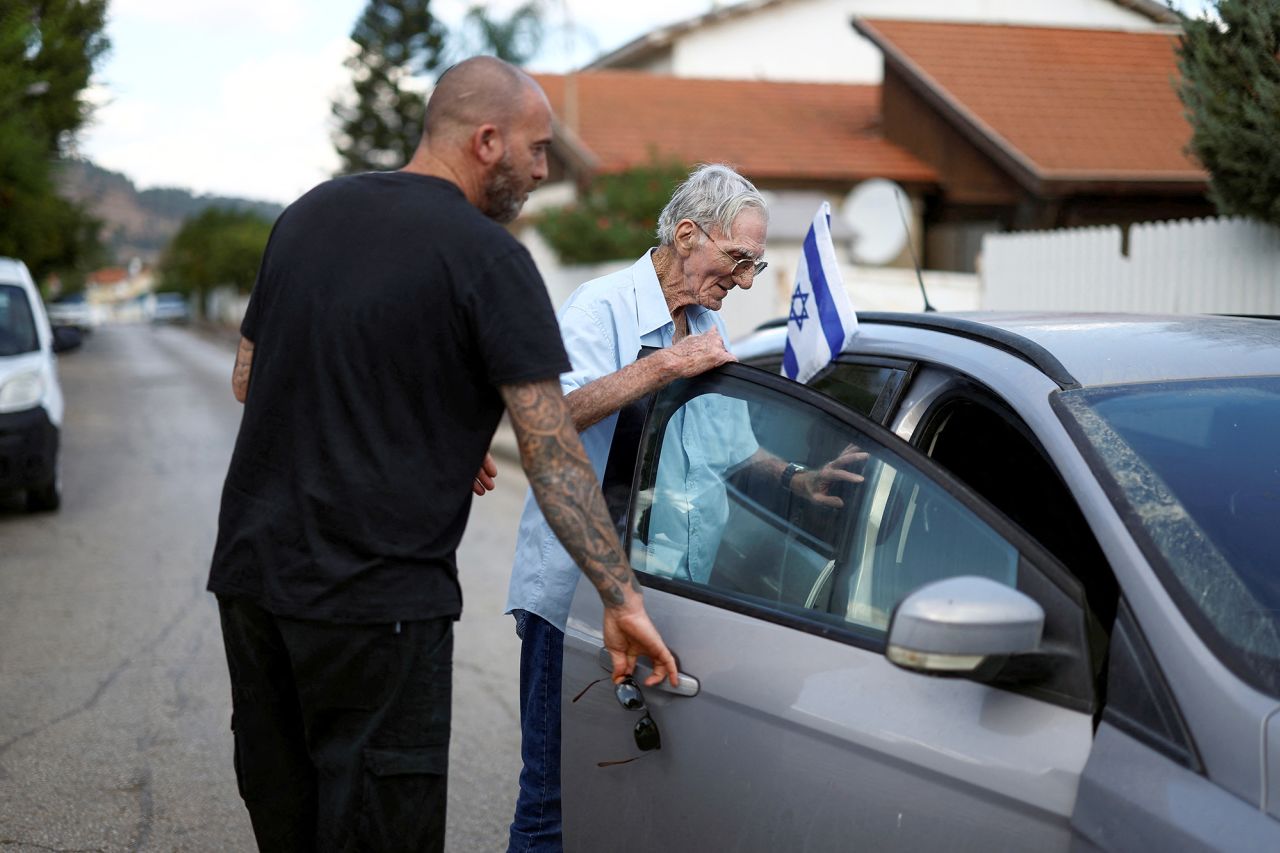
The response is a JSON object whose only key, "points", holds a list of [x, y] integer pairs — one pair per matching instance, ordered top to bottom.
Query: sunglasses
{"points": [[628, 694]]}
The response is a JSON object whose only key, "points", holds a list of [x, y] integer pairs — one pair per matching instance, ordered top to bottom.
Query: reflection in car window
{"points": [[17, 326], [858, 386], [1198, 465], [723, 505]]}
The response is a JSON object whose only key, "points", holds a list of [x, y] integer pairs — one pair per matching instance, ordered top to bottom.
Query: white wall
{"points": [[812, 40], [1224, 266]]}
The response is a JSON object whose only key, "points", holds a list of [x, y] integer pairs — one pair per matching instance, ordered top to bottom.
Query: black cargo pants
{"points": [[341, 731]]}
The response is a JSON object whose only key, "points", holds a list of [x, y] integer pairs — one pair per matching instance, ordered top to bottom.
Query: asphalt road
{"points": [[114, 701]]}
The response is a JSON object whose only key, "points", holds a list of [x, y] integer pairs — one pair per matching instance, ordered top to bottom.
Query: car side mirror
{"points": [[66, 338], [952, 627]]}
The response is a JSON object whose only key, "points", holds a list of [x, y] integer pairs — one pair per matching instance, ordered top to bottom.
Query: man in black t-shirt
{"points": [[392, 320]]}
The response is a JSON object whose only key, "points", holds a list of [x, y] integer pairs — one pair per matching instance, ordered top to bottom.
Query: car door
{"points": [[790, 730]]}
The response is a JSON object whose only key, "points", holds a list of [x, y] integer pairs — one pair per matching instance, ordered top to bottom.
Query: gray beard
{"points": [[503, 195]]}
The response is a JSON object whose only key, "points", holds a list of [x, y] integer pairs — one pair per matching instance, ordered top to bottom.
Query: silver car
{"points": [[1045, 617]]}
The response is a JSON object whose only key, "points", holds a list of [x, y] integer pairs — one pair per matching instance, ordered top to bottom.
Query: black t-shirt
{"points": [[387, 312]]}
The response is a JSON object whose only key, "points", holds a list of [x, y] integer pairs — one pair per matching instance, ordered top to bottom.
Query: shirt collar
{"points": [[651, 305]]}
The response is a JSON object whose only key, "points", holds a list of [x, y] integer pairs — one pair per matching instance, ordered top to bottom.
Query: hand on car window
{"points": [[816, 484]]}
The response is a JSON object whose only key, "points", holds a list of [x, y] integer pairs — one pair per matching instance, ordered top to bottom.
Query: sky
{"points": [[232, 97]]}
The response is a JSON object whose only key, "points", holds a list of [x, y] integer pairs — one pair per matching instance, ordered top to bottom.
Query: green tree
{"points": [[515, 38], [396, 41], [48, 49], [1231, 89], [616, 217], [220, 246]]}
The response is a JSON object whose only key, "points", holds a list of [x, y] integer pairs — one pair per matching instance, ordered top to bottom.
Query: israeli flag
{"points": [[821, 322]]}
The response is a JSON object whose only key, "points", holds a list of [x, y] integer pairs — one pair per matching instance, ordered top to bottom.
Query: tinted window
{"points": [[17, 327], [857, 386], [860, 386], [987, 447], [1196, 468], [718, 509], [1138, 700]]}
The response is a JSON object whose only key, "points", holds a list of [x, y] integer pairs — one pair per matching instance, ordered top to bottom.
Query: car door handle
{"points": [[687, 686]]}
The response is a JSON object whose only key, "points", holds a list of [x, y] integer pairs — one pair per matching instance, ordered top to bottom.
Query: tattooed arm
{"points": [[240, 373], [565, 486]]}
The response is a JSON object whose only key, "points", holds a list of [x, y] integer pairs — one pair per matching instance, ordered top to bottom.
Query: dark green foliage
{"points": [[515, 38], [397, 40], [47, 53], [1231, 89], [616, 218], [219, 246]]}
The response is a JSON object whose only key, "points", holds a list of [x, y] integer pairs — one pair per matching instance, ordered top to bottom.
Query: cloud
{"points": [[278, 16], [265, 134]]}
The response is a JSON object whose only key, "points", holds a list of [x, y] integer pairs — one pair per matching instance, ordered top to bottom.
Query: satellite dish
{"points": [[875, 211]]}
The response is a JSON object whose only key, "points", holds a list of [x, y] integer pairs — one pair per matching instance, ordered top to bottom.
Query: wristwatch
{"points": [[787, 473]]}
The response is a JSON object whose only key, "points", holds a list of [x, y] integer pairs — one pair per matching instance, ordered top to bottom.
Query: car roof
{"points": [[10, 271], [1079, 349]]}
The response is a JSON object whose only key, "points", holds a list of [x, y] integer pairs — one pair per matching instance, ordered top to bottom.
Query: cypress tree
{"points": [[397, 41], [1231, 90]]}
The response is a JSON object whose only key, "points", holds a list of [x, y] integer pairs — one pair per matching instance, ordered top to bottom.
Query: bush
{"points": [[617, 216]]}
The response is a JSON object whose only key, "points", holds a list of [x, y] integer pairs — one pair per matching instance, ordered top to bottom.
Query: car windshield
{"points": [[17, 326], [1196, 467]]}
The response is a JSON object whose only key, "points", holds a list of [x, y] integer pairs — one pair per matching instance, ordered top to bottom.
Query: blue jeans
{"points": [[536, 827]]}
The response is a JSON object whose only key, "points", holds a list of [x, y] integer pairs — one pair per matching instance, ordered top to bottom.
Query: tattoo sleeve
{"points": [[240, 373], [565, 486]]}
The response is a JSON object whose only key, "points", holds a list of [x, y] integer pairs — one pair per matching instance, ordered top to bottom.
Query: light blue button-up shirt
{"points": [[603, 324]]}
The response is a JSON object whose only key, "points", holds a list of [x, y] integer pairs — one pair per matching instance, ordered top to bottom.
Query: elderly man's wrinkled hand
{"points": [[699, 353], [816, 485]]}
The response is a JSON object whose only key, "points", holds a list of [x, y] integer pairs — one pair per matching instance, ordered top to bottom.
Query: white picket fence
{"points": [[1224, 266]]}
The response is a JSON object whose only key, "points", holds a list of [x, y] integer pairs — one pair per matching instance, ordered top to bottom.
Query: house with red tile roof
{"points": [[810, 40], [1036, 127], [987, 128], [824, 136], [800, 143]]}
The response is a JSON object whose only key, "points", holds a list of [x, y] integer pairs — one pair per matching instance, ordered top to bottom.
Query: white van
{"points": [[30, 397]]}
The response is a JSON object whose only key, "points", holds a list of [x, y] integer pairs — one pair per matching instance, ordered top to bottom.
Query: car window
{"points": [[17, 326], [865, 386], [988, 448], [1194, 468], [718, 508]]}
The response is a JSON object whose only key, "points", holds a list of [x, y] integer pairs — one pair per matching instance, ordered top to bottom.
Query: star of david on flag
{"points": [[821, 321]]}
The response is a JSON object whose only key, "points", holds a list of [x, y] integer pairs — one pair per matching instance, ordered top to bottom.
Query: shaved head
{"points": [[476, 91], [488, 130]]}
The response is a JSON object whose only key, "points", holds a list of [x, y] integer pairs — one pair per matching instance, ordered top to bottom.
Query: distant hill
{"points": [[140, 223]]}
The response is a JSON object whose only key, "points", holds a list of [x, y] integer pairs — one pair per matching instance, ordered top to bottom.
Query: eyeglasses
{"points": [[740, 265], [645, 732]]}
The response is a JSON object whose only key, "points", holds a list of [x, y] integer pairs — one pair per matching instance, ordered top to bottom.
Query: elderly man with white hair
{"points": [[711, 239]]}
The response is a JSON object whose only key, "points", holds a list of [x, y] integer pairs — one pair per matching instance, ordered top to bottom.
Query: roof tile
{"points": [[1070, 101], [768, 130]]}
